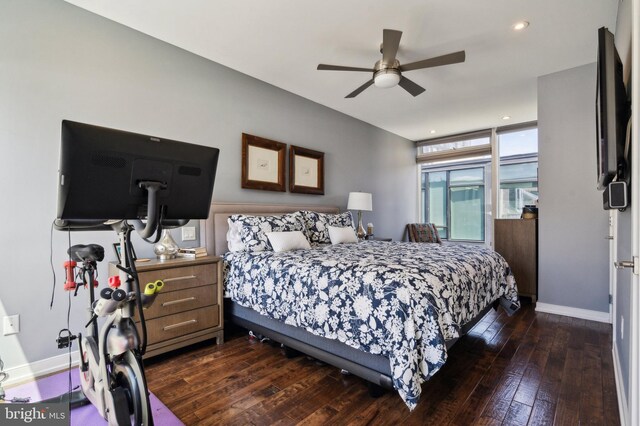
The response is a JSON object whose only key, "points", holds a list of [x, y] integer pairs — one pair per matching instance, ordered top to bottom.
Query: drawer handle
{"points": [[186, 277], [175, 302], [180, 324]]}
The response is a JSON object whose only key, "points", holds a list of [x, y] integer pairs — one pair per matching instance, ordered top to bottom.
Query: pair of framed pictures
{"points": [[263, 166]]}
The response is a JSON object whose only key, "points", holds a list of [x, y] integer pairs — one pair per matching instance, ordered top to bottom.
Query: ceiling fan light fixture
{"points": [[520, 25], [386, 78]]}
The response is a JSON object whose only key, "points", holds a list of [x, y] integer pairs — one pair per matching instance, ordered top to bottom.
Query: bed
{"points": [[385, 311]]}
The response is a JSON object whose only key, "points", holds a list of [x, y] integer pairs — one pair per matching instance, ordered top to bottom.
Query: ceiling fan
{"points": [[387, 72]]}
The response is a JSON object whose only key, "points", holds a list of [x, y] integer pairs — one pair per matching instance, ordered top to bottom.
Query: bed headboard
{"points": [[213, 231]]}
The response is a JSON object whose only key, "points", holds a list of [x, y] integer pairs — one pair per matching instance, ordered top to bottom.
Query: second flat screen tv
{"points": [[612, 112]]}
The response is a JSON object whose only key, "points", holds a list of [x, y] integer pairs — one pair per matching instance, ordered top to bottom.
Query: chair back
{"points": [[423, 233]]}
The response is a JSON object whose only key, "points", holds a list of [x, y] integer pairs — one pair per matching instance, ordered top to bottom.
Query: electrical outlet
{"points": [[189, 233], [11, 325]]}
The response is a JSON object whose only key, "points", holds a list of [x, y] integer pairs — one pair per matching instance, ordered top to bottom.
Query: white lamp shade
{"points": [[359, 201]]}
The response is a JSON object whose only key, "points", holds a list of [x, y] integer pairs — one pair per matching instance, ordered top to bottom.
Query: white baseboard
{"points": [[568, 311], [27, 372], [622, 397]]}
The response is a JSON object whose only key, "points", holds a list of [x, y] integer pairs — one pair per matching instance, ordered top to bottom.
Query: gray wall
{"points": [[61, 62], [573, 253]]}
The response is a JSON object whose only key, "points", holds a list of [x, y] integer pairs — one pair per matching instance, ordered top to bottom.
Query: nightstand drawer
{"points": [[182, 277], [172, 302], [168, 327]]}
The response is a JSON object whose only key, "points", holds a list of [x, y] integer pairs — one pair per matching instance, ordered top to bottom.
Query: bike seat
{"points": [[86, 253]]}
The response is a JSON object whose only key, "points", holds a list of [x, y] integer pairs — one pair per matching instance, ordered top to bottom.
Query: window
{"points": [[453, 149], [518, 171], [456, 180], [518, 188], [466, 189], [436, 191], [454, 202]]}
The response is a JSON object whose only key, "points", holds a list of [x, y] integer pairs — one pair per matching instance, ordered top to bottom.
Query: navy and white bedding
{"points": [[399, 300]]}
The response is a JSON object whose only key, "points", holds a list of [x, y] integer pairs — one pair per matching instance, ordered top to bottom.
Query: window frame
{"points": [[512, 160], [424, 179]]}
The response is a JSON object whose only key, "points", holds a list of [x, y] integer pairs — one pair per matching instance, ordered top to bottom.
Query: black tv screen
{"points": [[612, 112], [101, 169]]}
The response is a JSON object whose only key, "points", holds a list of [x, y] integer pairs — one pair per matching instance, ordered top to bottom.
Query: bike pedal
{"points": [[65, 342]]}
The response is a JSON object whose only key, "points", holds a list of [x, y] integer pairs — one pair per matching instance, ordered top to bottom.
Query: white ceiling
{"points": [[282, 41]]}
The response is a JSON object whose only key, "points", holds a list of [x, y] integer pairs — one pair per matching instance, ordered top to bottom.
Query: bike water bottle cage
{"points": [[86, 253]]}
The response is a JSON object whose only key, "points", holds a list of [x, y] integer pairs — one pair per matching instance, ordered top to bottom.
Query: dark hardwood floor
{"points": [[532, 368]]}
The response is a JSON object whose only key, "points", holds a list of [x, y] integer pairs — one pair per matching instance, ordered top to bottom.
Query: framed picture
{"points": [[263, 163], [306, 171], [116, 248]]}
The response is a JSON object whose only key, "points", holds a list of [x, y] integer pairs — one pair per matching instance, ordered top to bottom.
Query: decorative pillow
{"points": [[317, 224], [253, 229], [342, 235], [288, 240], [234, 242]]}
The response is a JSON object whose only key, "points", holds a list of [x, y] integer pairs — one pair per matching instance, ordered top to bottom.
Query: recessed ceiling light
{"points": [[520, 25], [506, 117], [432, 131]]}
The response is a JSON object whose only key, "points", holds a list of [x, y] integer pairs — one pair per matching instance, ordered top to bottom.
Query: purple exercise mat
{"points": [[56, 384]]}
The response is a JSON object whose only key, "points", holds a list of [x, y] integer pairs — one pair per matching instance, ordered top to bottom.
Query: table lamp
{"points": [[360, 201]]}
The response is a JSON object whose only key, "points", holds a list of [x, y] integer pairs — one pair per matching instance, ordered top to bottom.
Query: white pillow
{"points": [[342, 235], [287, 240], [234, 242]]}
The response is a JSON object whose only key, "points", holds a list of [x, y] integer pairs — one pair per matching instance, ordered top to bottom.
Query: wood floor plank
{"points": [[500, 365], [532, 368], [553, 370], [528, 387], [502, 397], [357, 399], [568, 401], [591, 401], [274, 407], [543, 413], [517, 415], [321, 416]]}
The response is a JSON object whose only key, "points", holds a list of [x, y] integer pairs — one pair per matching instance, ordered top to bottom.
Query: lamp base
{"points": [[361, 233]]}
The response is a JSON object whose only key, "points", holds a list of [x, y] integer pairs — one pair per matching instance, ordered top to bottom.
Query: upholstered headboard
{"points": [[213, 231]]}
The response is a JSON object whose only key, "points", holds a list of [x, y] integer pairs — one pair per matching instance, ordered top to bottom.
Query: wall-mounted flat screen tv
{"points": [[612, 112], [101, 171]]}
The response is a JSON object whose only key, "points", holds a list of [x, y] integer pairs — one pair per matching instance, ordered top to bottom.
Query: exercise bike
{"points": [[146, 183], [111, 373]]}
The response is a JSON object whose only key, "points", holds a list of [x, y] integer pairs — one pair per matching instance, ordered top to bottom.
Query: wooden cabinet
{"points": [[517, 241], [189, 307]]}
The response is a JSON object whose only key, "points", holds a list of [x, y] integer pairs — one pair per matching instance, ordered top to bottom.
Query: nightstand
{"points": [[189, 307]]}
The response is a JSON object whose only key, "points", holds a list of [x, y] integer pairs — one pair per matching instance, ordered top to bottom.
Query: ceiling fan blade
{"points": [[390, 43], [451, 58], [325, 67], [411, 87], [360, 89]]}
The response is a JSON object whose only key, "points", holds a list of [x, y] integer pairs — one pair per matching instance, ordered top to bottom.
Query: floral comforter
{"points": [[400, 300]]}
